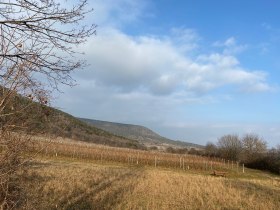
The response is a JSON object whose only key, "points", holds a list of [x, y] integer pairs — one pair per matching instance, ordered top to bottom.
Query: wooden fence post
{"points": [[180, 162]]}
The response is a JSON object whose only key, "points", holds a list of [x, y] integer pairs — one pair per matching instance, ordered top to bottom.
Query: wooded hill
{"points": [[36, 118], [139, 133]]}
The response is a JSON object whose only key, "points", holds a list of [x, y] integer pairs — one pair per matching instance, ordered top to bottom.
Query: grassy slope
{"points": [[39, 119], [65, 125], [65, 184]]}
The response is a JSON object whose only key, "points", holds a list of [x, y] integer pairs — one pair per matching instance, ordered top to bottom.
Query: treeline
{"points": [[181, 150], [250, 150]]}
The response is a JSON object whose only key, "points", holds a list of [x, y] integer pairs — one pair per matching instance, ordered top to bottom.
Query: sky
{"points": [[191, 70]]}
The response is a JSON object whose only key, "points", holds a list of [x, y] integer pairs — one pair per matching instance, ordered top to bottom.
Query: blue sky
{"points": [[190, 70]]}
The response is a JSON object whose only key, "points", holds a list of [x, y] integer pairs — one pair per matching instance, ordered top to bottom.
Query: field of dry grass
{"points": [[92, 152], [75, 175], [67, 184]]}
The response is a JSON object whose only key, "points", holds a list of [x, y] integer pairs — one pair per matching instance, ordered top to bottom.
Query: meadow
{"points": [[59, 178]]}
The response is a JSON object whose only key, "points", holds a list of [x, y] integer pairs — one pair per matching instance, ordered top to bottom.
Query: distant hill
{"points": [[40, 119], [66, 125], [137, 132]]}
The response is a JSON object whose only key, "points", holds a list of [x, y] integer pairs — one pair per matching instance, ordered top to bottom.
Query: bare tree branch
{"points": [[38, 39]]}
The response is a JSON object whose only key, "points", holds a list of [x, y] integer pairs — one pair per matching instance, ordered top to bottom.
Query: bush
{"points": [[211, 150], [177, 151], [194, 151], [272, 160], [11, 169]]}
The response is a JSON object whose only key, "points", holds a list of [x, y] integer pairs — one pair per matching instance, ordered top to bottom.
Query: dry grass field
{"points": [[76, 150], [74, 175], [66, 184]]}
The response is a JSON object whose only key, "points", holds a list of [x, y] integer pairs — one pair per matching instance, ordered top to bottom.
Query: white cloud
{"points": [[116, 13], [186, 39], [230, 46], [161, 65], [158, 66]]}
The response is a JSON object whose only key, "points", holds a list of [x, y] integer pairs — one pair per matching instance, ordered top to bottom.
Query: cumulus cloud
{"points": [[161, 65], [158, 66]]}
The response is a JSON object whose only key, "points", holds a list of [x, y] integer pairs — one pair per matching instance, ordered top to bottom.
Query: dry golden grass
{"points": [[92, 152], [85, 176], [54, 184], [62, 185], [169, 190]]}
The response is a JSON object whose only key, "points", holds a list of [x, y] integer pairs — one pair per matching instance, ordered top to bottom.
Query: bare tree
{"points": [[37, 39], [38, 50], [230, 146], [253, 147], [211, 149]]}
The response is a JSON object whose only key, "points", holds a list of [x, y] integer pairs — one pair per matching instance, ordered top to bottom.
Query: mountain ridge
{"points": [[138, 132]]}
